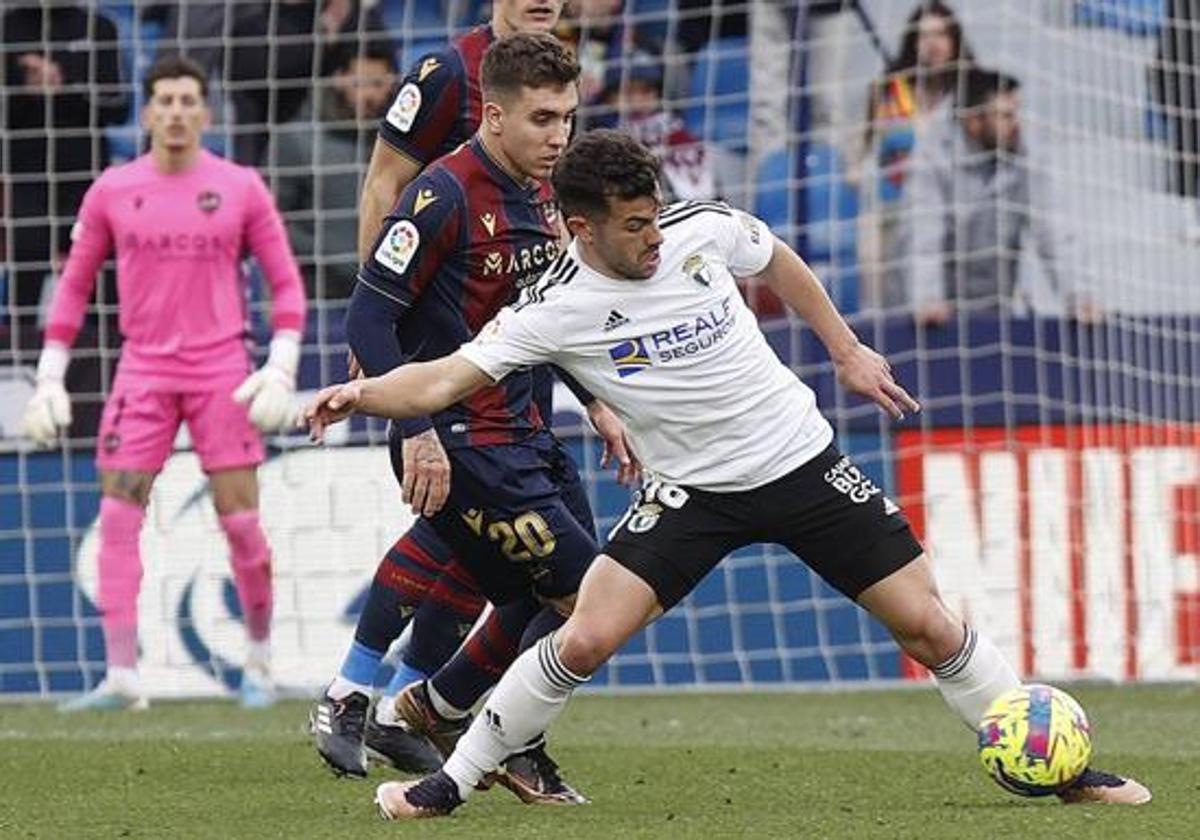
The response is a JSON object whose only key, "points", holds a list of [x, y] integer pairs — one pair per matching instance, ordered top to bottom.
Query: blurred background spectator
{"points": [[269, 84], [61, 88], [632, 100], [911, 100], [320, 159], [968, 206]]}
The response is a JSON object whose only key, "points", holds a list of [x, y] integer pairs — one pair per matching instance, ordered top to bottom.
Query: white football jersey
{"points": [[678, 356]]}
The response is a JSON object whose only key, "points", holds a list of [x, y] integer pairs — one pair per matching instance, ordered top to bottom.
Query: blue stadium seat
{"points": [[1134, 17], [650, 18], [719, 93], [831, 204], [830, 214]]}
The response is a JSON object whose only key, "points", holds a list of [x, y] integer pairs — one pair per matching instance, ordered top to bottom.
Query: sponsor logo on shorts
{"points": [[849, 480]]}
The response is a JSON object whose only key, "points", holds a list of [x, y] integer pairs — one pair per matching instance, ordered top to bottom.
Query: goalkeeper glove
{"points": [[269, 391], [49, 411]]}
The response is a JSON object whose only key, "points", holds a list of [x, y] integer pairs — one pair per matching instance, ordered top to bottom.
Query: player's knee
{"points": [[127, 486], [928, 631], [583, 649]]}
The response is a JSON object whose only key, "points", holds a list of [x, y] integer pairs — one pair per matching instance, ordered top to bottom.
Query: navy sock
{"points": [[488, 652]]}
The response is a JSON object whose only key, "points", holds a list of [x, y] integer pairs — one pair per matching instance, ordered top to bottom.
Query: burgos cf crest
{"points": [[695, 268], [629, 357]]}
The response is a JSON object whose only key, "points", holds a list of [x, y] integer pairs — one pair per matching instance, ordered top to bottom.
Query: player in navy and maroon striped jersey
{"points": [[437, 108], [471, 230]]}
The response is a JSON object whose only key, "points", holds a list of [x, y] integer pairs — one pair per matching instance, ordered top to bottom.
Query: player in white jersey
{"points": [[644, 312]]}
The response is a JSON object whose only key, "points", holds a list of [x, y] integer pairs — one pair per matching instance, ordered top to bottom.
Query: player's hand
{"points": [[865, 372], [270, 390], [332, 404], [48, 414], [616, 443], [426, 473]]}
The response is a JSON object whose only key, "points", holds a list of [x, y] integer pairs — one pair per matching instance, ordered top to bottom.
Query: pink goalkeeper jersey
{"points": [[179, 240]]}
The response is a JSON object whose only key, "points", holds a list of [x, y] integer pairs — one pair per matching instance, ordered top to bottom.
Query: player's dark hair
{"points": [[532, 60], [174, 66], [979, 86], [601, 164]]}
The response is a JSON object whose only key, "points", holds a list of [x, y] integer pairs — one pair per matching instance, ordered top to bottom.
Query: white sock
{"points": [[258, 656], [975, 676], [124, 681], [341, 688], [530, 695], [443, 706], [385, 711]]}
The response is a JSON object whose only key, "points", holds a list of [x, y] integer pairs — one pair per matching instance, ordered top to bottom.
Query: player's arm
{"points": [[421, 118], [390, 171], [510, 341], [859, 368], [270, 389], [413, 390], [49, 411]]}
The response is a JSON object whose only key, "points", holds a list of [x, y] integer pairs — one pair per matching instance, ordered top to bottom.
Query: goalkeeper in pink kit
{"points": [[179, 220]]}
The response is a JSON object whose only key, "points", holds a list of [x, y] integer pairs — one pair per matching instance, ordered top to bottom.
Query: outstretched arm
{"points": [[859, 368], [411, 390]]}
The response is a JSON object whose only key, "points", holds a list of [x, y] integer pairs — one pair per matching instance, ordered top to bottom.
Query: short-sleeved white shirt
{"points": [[678, 356]]}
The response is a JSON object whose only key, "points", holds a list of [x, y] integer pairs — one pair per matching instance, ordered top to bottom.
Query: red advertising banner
{"points": [[1075, 548]]}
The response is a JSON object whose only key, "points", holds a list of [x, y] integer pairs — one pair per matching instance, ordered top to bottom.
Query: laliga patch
{"points": [[404, 108], [751, 226], [396, 250]]}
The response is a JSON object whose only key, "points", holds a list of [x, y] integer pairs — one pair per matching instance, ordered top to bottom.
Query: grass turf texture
{"points": [[891, 764]]}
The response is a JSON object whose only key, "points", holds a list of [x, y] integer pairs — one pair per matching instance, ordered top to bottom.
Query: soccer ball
{"points": [[1034, 740]]}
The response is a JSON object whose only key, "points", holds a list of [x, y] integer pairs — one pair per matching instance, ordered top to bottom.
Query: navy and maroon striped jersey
{"points": [[439, 104], [464, 238]]}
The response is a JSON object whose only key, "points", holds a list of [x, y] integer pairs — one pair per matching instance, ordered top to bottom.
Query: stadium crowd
{"points": [[939, 201]]}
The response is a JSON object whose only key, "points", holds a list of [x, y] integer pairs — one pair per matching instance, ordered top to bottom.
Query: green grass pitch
{"points": [[875, 764]]}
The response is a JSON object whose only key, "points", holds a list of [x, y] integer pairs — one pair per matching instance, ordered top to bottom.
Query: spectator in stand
{"points": [[595, 31], [279, 51], [61, 87], [911, 100], [633, 102], [322, 156], [969, 206]]}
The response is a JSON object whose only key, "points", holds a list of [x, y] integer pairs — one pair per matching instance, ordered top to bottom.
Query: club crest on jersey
{"points": [[427, 67], [404, 108], [424, 199], [208, 201], [550, 211], [488, 220], [399, 245], [695, 268], [629, 357]]}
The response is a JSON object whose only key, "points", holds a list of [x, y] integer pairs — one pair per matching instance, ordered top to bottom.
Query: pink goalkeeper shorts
{"points": [[138, 428]]}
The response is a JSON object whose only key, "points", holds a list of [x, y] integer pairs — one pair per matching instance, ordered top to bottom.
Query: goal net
{"points": [[1035, 293]]}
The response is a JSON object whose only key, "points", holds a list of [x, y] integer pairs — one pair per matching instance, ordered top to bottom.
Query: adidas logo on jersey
{"points": [[615, 319]]}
